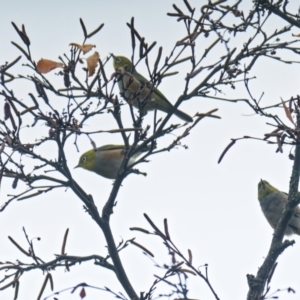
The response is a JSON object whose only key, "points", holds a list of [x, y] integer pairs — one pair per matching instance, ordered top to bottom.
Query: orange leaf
{"points": [[84, 48], [92, 62], [46, 65], [287, 112]]}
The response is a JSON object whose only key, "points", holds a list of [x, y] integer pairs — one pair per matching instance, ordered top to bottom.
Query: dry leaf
{"points": [[296, 35], [84, 48], [92, 62], [46, 65], [287, 112], [8, 140], [142, 247], [190, 256], [187, 271], [82, 293]]}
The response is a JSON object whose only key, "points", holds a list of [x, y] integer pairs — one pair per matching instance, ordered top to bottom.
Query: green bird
{"points": [[138, 91], [106, 160], [272, 203]]}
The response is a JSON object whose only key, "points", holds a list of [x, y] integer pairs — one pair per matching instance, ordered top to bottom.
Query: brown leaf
{"points": [[296, 35], [84, 48], [92, 62], [46, 65], [287, 112], [276, 132], [8, 140], [138, 228], [142, 247], [190, 256], [187, 271], [82, 293]]}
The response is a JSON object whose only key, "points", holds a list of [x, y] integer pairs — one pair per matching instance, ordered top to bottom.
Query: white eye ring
{"points": [[118, 60], [83, 160]]}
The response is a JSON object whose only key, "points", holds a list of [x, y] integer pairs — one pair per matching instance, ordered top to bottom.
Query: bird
{"points": [[139, 92], [106, 160], [273, 202]]}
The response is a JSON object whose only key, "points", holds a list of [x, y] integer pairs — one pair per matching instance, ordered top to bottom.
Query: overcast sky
{"points": [[212, 208]]}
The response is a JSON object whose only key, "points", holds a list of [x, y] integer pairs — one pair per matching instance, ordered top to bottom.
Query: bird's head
{"points": [[122, 61], [87, 160], [265, 189]]}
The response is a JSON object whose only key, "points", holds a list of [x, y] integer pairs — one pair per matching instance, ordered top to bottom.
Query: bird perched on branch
{"points": [[139, 92], [106, 160], [272, 203]]}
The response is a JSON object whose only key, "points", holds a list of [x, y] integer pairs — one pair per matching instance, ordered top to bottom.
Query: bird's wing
{"points": [[156, 91], [110, 147], [297, 208], [297, 212], [294, 223]]}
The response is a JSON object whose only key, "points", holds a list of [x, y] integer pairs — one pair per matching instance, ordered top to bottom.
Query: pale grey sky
{"points": [[212, 209]]}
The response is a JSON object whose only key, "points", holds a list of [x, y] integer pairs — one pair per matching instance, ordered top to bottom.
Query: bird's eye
{"points": [[118, 60], [83, 160]]}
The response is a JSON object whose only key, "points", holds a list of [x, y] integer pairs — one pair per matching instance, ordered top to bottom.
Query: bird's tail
{"points": [[183, 116]]}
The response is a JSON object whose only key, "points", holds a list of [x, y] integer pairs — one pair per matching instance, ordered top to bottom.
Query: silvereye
{"points": [[138, 91], [106, 160], [272, 203]]}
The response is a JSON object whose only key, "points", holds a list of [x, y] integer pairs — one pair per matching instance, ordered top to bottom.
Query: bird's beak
{"points": [[76, 167]]}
